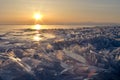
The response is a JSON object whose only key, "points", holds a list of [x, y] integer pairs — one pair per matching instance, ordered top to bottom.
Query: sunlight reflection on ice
{"points": [[37, 27], [37, 37]]}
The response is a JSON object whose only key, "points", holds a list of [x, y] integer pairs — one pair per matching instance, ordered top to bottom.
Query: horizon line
{"points": [[84, 23]]}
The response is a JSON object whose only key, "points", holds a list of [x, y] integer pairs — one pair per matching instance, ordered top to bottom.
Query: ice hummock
{"points": [[62, 54]]}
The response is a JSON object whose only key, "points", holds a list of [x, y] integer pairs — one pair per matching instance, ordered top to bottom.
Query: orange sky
{"points": [[59, 11]]}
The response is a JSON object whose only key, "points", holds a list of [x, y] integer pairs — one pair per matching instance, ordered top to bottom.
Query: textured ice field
{"points": [[60, 54]]}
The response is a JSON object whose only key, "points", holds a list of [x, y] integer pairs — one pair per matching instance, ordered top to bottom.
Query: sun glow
{"points": [[38, 16]]}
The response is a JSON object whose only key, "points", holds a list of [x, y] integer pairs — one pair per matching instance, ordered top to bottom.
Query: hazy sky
{"points": [[59, 11]]}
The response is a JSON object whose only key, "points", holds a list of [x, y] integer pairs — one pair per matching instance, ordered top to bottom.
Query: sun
{"points": [[38, 16]]}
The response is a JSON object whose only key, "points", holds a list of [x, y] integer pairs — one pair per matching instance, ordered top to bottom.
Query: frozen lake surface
{"points": [[35, 52]]}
